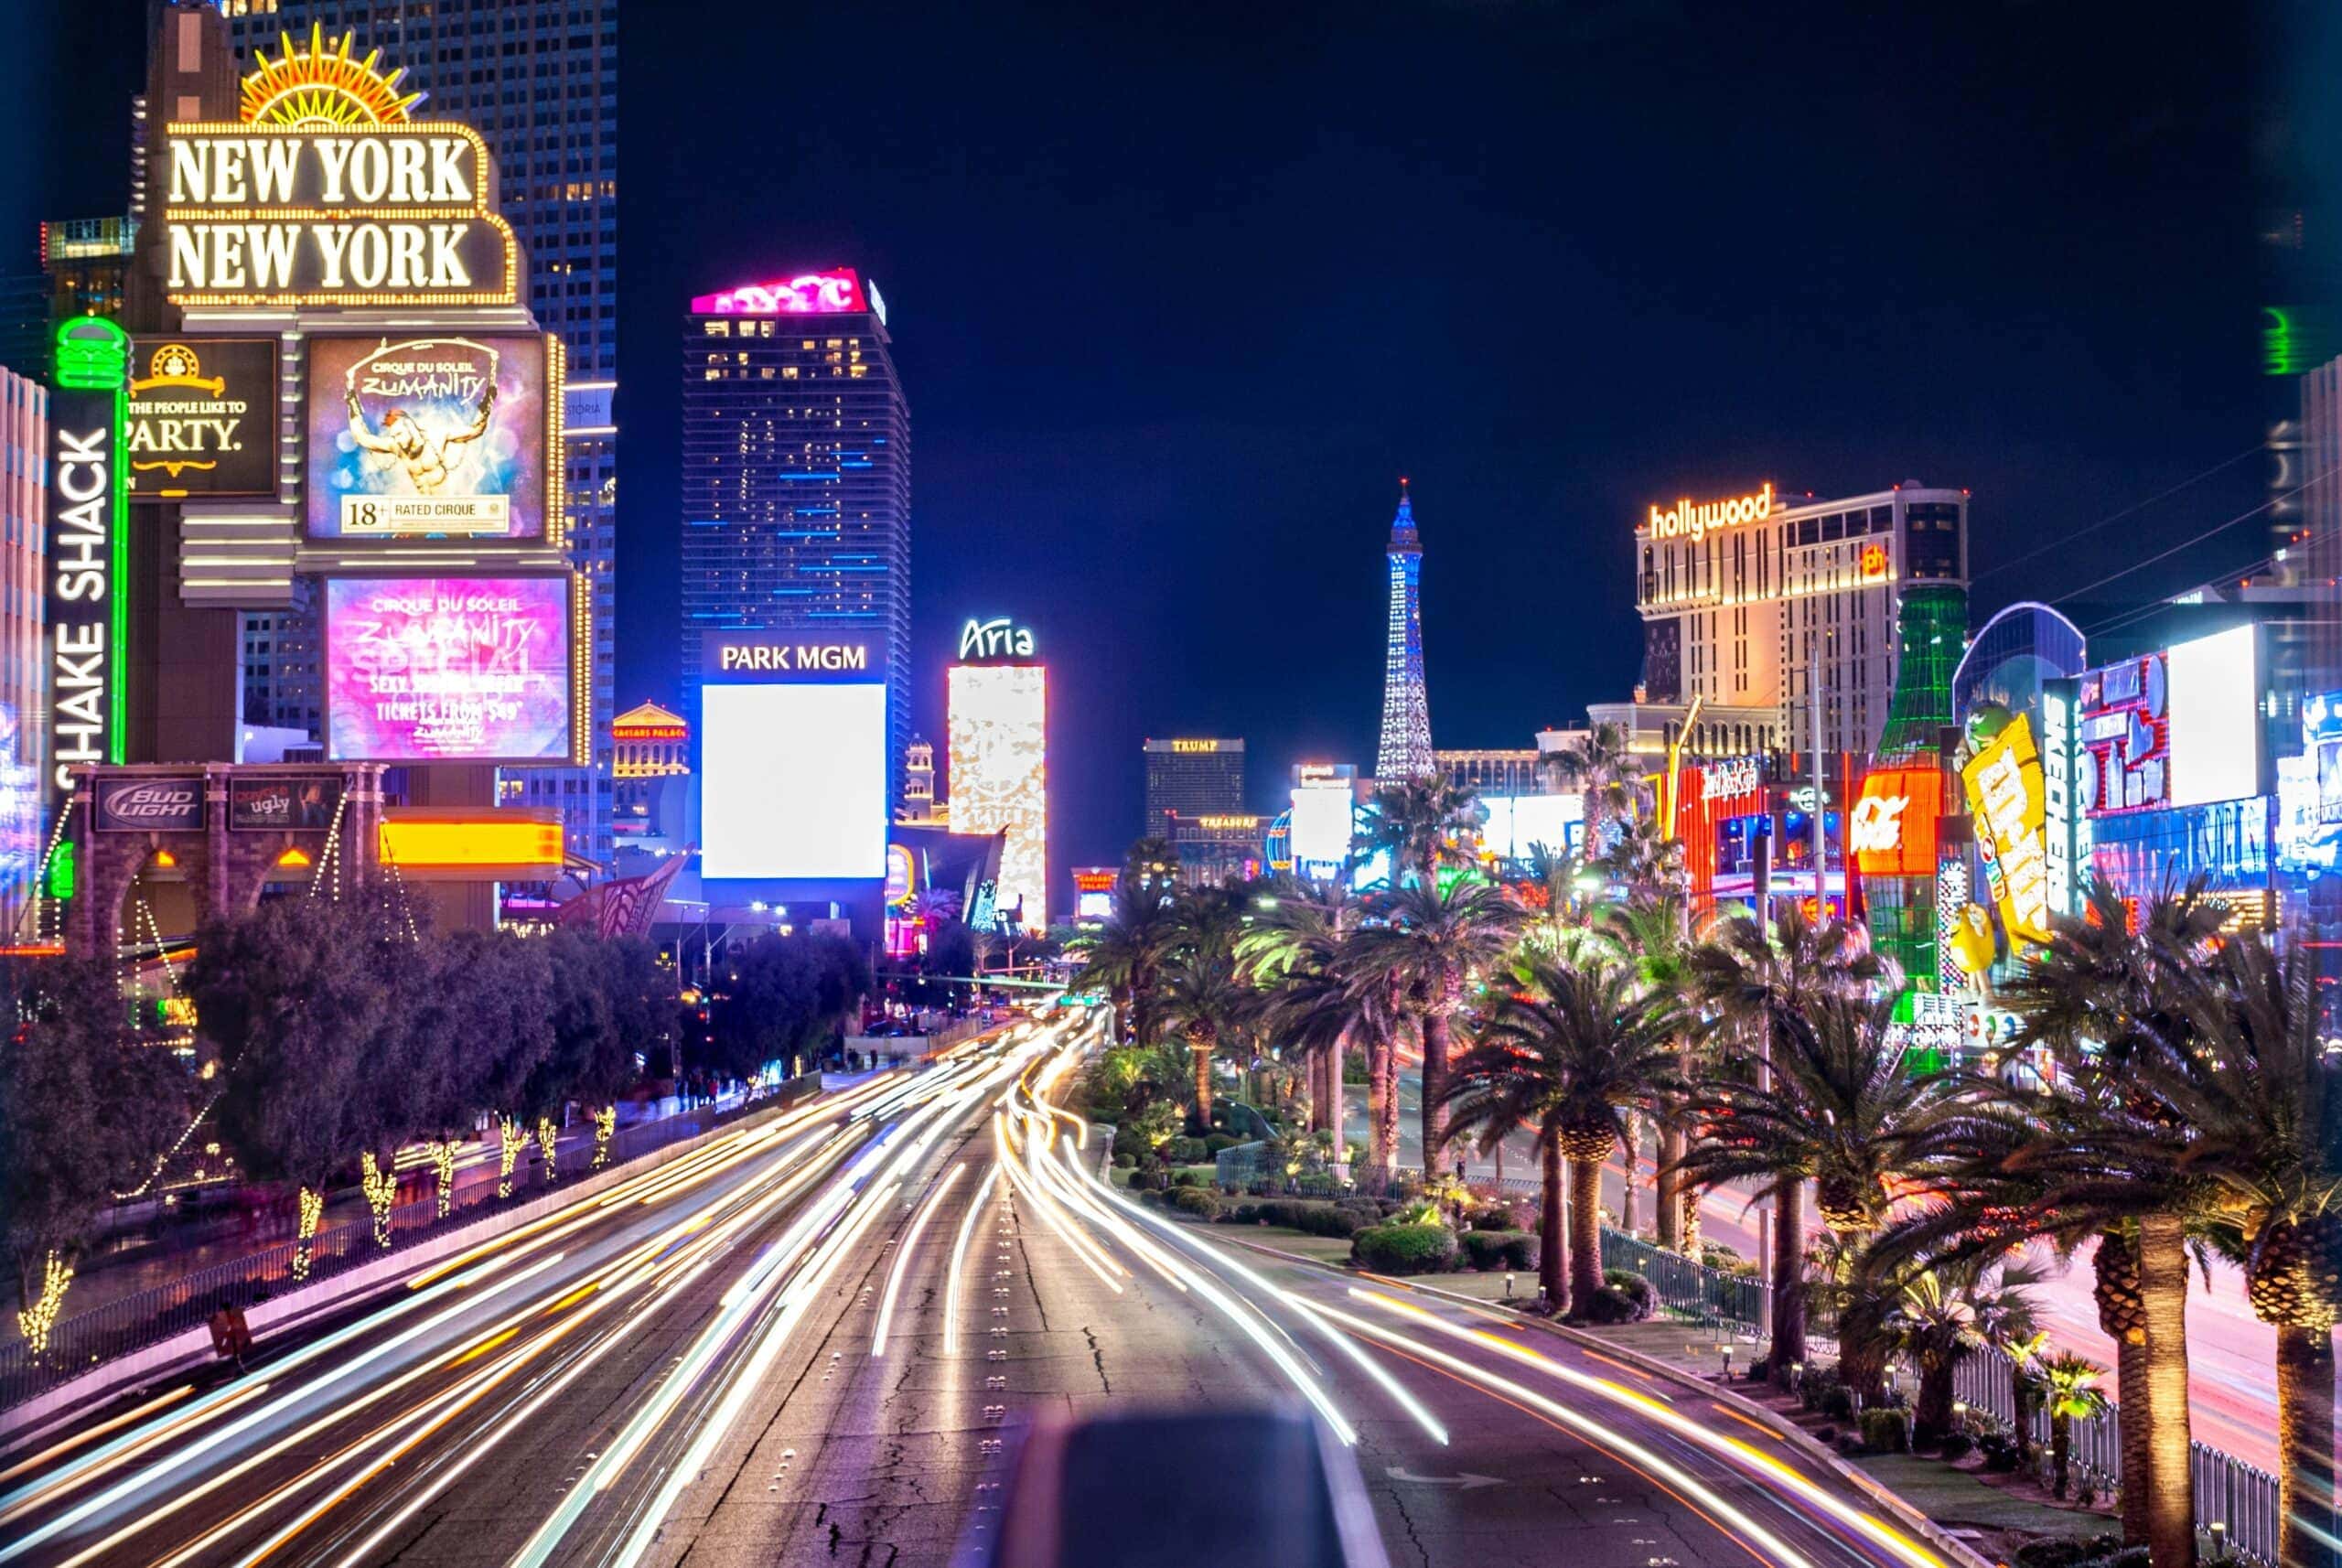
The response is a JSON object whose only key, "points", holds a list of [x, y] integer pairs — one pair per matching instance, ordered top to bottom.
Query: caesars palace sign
{"points": [[293, 216]]}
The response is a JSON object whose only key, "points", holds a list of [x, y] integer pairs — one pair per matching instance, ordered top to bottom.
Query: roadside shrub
{"points": [[1220, 1141], [1184, 1151], [1124, 1159], [1188, 1178], [1262, 1187], [1150, 1197], [1200, 1201], [1244, 1214], [1315, 1219], [1499, 1248], [1405, 1249], [1637, 1288], [1609, 1304], [1759, 1370], [1837, 1402], [1886, 1431], [1826, 1436], [1849, 1445], [1956, 1445], [1999, 1450], [2054, 1552], [2129, 1557]]}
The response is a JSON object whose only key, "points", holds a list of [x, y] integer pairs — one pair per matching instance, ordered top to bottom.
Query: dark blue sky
{"points": [[1178, 292]]}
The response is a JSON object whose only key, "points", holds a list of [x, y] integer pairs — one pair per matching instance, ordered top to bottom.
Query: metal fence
{"points": [[1689, 1290], [130, 1323]]}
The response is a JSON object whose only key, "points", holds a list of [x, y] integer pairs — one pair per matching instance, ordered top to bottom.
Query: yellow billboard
{"points": [[2003, 782]]}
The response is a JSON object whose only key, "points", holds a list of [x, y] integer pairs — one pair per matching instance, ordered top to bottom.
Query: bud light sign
{"points": [[150, 805]]}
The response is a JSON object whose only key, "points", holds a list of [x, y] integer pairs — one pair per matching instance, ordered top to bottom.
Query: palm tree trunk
{"points": [[1435, 1027], [1200, 1052], [1337, 1099], [1386, 1118], [1381, 1131], [1632, 1146], [1668, 1187], [1585, 1232], [1552, 1236], [1788, 1282], [2162, 1286], [2021, 1402], [1931, 1413], [2133, 1429], [2304, 1447], [2061, 1448]]}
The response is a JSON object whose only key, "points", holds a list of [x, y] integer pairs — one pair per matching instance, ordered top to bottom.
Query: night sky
{"points": [[1179, 292]]}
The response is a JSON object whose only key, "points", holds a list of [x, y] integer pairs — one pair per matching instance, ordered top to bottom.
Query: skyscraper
{"points": [[540, 82], [797, 476], [1405, 749], [1200, 776]]}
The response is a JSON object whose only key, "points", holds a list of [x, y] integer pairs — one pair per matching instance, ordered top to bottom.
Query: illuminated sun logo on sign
{"points": [[322, 87]]}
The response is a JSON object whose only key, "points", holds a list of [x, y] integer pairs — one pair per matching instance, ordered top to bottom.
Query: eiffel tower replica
{"points": [[1406, 748]]}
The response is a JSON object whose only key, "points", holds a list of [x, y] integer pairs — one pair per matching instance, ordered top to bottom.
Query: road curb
{"points": [[1958, 1552]]}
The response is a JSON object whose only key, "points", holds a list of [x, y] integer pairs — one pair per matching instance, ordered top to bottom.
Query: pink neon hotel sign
{"points": [[835, 292]]}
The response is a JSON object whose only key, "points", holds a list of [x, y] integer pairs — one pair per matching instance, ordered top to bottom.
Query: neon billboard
{"points": [[837, 292], [421, 438], [88, 548], [447, 668], [999, 771], [2005, 791]]}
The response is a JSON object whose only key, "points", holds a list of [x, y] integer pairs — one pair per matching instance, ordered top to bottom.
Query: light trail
{"points": [[959, 1253], [903, 1257]]}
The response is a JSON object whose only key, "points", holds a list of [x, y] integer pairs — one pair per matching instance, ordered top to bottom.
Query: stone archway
{"points": [[226, 830]]}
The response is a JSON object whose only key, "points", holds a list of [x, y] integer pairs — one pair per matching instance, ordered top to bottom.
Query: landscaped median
{"points": [[177, 1352]]}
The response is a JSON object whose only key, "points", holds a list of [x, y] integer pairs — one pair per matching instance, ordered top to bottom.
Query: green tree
{"points": [[1603, 768], [1652, 933], [1292, 955], [1123, 956], [1566, 1054], [88, 1108], [1947, 1312], [2071, 1392]]}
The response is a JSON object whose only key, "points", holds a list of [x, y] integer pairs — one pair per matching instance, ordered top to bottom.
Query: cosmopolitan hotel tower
{"points": [[539, 81], [797, 476], [1748, 603]]}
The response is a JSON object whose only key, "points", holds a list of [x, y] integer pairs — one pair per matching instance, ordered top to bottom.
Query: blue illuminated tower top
{"points": [[1406, 748]]}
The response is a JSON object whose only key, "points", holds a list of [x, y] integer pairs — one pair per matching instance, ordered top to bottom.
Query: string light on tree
{"points": [[382, 1190], [37, 1321]]}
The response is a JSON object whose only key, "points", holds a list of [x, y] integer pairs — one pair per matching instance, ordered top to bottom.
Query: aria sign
{"points": [[285, 216], [1695, 521], [982, 641]]}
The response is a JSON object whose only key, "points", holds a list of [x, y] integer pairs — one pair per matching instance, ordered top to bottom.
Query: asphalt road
{"points": [[817, 1342]]}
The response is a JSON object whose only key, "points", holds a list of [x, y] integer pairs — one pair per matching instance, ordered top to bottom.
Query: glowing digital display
{"points": [[832, 293], [423, 437], [447, 668], [2216, 723], [997, 758], [793, 780], [2309, 788], [2004, 793], [1322, 823], [1519, 825], [1893, 830], [472, 845]]}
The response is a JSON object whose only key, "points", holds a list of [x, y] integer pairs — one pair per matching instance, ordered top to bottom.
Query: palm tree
{"points": [[1603, 768], [1416, 820], [1652, 934], [1433, 946], [1291, 954], [1123, 957], [1203, 1000], [1567, 1054], [1824, 1058], [2262, 1103], [1947, 1312], [2070, 1387]]}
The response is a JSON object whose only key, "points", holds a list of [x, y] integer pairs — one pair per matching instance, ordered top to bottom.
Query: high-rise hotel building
{"points": [[539, 80], [797, 475], [1757, 605], [1200, 776]]}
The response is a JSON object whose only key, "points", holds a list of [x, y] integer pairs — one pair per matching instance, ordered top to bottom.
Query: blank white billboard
{"points": [[2216, 727], [793, 780], [1517, 823], [1321, 825]]}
